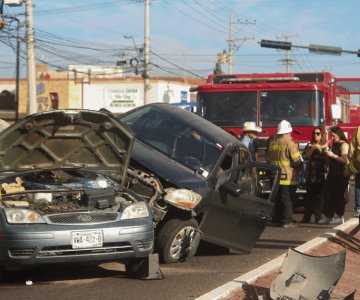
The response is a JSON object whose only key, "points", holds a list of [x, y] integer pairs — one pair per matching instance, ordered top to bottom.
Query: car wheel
{"points": [[178, 240]]}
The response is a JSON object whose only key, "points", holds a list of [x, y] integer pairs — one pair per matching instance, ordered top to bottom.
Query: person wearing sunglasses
{"points": [[315, 174], [336, 181]]}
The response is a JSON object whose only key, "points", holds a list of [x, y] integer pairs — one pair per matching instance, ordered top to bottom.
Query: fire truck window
{"points": [[298, 107], [228, 108]]}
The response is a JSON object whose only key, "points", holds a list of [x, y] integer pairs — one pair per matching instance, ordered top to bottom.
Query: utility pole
{"points": [[231, 41], [230, 47], [30, 48], [146, 51], [287, 60], [17, 69]]}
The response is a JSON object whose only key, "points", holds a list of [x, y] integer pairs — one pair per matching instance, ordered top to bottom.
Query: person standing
{"points": [[249, 138], [284, 153], [354, 167], [316, 171], [336, 181]]}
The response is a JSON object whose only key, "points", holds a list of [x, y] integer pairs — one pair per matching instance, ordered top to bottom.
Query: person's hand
{"points": [[329, 153], [346, 173]]}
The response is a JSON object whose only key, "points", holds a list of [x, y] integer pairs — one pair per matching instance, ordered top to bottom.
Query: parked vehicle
{"points": [[305, 100], [213, 168], [64, 196]]}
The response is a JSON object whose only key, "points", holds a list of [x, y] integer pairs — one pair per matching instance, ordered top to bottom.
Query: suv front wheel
{"points": [[178, 240]]}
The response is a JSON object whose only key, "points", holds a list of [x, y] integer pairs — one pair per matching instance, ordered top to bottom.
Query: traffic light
{"points": [[275, 44], [325, 49]]}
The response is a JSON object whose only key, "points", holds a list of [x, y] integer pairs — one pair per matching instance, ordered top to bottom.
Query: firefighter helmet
{"points": [[284, 127]]}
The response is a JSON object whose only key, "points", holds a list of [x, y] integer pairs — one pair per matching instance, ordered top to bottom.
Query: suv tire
{"points": [[178, 240]]}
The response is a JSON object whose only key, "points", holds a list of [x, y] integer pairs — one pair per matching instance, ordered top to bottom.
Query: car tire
{"points": [[178, 240]]}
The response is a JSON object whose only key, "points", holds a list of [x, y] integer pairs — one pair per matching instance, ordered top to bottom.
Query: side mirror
{"points": [[335, 111], [231, 188]]}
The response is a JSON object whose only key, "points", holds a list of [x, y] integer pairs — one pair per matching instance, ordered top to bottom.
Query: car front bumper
{"points": [[24, 245]]}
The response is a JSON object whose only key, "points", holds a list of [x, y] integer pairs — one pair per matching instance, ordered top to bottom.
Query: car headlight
{"points": [[182, 198], [135, 211], [22, 216]]}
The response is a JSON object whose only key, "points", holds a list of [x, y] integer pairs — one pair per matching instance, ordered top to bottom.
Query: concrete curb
{"points": [[237, 283]]}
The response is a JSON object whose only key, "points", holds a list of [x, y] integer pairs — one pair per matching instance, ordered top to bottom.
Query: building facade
{"points": [[90, 90]]}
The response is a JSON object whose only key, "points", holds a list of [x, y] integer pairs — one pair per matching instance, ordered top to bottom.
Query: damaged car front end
{"points": [[64, 192]]}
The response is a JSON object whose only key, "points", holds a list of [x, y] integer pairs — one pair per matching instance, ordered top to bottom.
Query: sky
{"points": [[186, 35]]}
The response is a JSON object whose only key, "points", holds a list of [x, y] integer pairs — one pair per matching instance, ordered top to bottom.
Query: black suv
{"points": [[218, 196]]}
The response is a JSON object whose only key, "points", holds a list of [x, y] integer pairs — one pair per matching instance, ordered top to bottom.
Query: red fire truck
{"points": [[304, 99], [355, 113]]}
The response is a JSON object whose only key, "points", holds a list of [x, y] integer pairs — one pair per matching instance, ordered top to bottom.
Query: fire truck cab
{"points": [[305, 100]]}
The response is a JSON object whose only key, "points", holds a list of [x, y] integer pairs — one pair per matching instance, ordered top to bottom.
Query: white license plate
{"points": [[86, 239]]}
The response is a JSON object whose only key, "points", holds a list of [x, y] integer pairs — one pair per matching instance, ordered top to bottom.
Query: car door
{"points": [[238, 210]]}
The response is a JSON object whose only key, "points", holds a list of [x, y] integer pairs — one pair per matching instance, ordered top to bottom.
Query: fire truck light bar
{"points": [[267, 79]]}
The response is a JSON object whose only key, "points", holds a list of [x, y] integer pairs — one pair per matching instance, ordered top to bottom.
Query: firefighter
{"points": [[284, 152], [353, 167]]}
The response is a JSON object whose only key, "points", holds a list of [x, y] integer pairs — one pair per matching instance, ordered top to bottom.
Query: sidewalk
{"points": [[258, 281]]}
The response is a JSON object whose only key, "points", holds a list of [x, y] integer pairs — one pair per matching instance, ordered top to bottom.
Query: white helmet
{"points": [[284, 127]]}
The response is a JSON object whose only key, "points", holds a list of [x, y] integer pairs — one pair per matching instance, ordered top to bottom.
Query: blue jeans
{"points": [[357, 191]]}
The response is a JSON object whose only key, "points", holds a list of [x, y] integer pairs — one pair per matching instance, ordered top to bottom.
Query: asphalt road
{"points": [[188, 280]]}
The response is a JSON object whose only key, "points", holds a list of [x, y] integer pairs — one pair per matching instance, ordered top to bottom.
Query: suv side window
{"points": [[155, 128], [188, 149], [244, 156]]}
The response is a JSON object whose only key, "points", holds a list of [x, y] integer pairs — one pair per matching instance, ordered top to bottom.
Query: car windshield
{"points": [[173, 138], [62, 179]]}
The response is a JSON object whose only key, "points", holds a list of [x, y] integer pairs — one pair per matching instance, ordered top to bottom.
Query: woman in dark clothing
{"points": [[316, 170], [336, 183]]}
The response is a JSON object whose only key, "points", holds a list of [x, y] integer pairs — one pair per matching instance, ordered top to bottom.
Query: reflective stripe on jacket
{"points": [[354, 152], [284, 153]]}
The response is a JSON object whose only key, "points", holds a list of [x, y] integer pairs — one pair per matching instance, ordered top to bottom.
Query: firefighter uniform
{"points": [[284, 153]]}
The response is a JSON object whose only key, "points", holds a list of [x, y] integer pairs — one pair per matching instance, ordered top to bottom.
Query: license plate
{"points": [[86, 239]]}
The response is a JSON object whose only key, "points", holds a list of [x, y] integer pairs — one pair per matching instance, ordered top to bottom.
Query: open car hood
{"points": [[85, 139]]}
